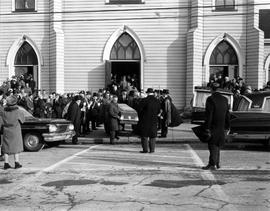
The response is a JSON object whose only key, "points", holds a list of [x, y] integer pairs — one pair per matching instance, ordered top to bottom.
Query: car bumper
{"points": [[51, 137]]}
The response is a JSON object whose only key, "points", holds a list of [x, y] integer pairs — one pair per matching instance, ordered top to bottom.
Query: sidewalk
{"points": [[180, 134]]}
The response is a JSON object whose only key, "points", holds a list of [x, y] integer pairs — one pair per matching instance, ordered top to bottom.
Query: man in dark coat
{"points": [[148, 111], [166, 113], [74, 115], [114, 115], [217, 120]]}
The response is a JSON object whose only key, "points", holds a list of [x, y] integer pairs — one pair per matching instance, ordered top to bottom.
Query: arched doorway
{"points": [[24, 54], [124, 54], [125, 61], [224, 61], [26, 63]]}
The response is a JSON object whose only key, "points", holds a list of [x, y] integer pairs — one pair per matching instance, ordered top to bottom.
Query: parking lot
{"points": [[105, 177]]}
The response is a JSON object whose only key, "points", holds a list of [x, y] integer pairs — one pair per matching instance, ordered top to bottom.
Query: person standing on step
{"points": [[148, 111], [74, 115], [114, 115], [166, 117], [12, 118]]}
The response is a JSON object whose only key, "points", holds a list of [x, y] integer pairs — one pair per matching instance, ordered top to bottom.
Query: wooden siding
{"points": [[11, 29], [162, 33]]}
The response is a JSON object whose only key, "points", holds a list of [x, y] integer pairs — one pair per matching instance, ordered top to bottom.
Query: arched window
{"points": [[223, 5], [125, 48], [223, 54], [26, 55]]}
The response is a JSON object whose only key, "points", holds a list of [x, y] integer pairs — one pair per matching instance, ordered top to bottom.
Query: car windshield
{"points": [[26, 113]]}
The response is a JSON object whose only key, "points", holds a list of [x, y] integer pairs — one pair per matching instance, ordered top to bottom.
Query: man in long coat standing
{"points": [[148, 111], [74, 115], [114, 115], [217, 120]]}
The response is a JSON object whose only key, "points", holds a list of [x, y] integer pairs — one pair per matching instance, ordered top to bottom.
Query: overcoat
{"points": [[148, 111], [113, 114], [74, 115], [217, 118], [12, 134]]}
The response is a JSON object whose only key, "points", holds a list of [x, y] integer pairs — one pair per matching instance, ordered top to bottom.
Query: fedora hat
{"points": [[150, 90], [165, 91], [12, 100]]}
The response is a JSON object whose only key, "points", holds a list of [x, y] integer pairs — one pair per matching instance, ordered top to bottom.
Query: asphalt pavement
{"points": [[95, 175]]}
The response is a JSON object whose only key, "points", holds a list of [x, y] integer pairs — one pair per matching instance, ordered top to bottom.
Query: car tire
{"points": [[32, 142], [54, 143]]}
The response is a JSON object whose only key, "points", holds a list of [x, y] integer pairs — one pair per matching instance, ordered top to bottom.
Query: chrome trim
{"points": [[249, 136], [51, 137]]}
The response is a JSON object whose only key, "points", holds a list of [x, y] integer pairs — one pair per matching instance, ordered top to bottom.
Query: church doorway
{"points": [[224, 61], [124, 63], [26, 64]]}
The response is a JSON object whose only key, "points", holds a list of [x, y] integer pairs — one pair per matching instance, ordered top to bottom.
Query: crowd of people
{"points": [[236, 85], [93, 106]]}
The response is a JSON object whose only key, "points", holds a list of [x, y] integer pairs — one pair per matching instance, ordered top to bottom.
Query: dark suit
{"points": [[148, 111], [74, 115], [113, 116], [217, 120]]}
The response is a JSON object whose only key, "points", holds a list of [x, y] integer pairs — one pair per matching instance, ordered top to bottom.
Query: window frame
{"points": [[127, 2], [214, 9], [24, 10], [266, 39]]}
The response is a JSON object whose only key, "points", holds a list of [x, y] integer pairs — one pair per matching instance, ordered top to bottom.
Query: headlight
{"points": [[71, 127], [52, 128]]}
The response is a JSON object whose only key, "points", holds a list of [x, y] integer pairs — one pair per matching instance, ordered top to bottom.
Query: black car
{"points": [[199, 101], [251, 120], [38, 132]]}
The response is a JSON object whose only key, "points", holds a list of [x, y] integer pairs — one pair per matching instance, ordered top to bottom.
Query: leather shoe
{"points": [[143, 152], [17, 165], [6, 166], [218, 166], [209, 167]]}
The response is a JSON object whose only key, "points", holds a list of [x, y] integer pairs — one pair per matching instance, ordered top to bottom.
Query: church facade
{"points": [[79, 45]]}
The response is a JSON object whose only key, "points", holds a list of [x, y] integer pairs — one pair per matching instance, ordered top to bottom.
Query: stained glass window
{"points": [[24, 5], [224, 5], [125, 48], [223, 54], [26, 55]]}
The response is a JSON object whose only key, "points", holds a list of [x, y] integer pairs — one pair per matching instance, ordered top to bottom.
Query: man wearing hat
{"points": [[148, 111], [166, 113], [74, 115], [217, 120], [12, 135]]}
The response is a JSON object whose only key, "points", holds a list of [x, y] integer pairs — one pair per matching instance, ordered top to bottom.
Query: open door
{"points": [[108, 72]]}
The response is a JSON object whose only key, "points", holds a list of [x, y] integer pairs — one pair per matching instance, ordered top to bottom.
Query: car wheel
{"points": [[32, 142], [53, 144]]}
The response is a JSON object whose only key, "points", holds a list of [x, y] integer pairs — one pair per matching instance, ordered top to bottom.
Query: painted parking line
{"points": [[208, 175], [32, 178]]}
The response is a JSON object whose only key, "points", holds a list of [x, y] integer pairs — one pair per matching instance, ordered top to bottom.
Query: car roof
{"points": [[258, 98]]}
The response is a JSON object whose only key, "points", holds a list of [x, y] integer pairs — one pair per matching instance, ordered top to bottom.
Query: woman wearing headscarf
{"points": [[12, 136]]}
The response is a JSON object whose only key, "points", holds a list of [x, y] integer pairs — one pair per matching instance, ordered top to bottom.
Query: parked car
{"points": [[199, 100], [251, 120], [37, 132]]}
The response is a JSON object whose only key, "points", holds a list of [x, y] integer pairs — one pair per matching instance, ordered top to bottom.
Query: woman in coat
{"points": [[113, 121], [12, 134]]}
